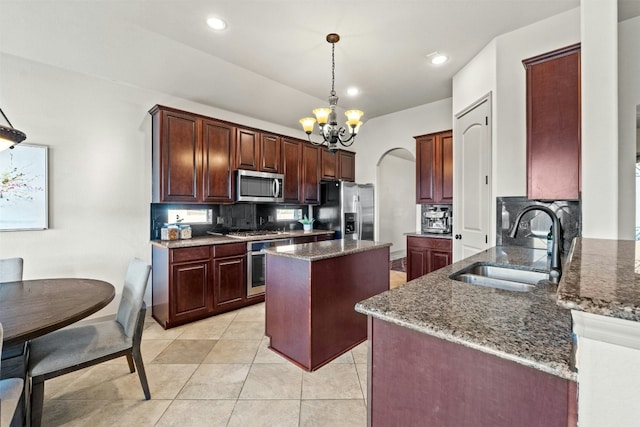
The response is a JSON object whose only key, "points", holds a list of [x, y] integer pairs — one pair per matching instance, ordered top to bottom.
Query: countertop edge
{"points": [[222, 240], [316, 251]]}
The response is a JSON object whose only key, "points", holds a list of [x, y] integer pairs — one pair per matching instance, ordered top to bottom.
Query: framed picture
{"points": [[23, 188]]}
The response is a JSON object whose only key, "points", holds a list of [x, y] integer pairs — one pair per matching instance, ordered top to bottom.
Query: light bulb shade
{"points": [[322, 115], [353, 117], [307, 124], [356, 129], [12, 135], [5, 143]]}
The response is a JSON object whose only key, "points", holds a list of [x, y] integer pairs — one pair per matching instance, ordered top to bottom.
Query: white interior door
{"points": [[472, 177]]}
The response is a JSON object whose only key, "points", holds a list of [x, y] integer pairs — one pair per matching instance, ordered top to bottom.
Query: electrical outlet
{"points": [[270, 218], [219, 220]]}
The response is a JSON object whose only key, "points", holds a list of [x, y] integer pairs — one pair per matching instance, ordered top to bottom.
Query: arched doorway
{"points": [[396, 184]]}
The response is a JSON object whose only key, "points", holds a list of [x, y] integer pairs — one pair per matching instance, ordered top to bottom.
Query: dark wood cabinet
{"points": [[553, 125], [247, 149], [270, 157], [186, 165], [329, 165], [347, 165], [291, 168], [434, 168], [310, 174], [425, 254], [229, 276], [192, 283]]}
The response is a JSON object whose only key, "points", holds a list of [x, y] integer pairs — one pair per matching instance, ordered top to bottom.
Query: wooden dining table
{"points": [[31, 308]]}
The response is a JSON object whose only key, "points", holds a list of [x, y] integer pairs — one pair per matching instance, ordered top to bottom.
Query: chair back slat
{"points": [[10, 269], [135, 284]]}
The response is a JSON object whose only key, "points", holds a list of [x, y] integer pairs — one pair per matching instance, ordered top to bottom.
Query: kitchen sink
{"points": [[501, 277]]}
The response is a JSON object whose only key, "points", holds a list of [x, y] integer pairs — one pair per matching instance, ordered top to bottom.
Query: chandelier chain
{"points": [[333, 69]]}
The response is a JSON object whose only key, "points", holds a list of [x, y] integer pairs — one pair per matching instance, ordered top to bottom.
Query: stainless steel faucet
{"points": [[556, 265]]}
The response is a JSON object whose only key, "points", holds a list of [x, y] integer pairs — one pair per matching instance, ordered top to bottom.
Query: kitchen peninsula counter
{"points": [[430, 235], [311, 291], [528, 328]]}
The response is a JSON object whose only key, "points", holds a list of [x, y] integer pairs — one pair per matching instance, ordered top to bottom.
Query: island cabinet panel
{"points": [[553, 125], [291, 168], [434, 168], [425, 254], [310, 316], [440, 383]]}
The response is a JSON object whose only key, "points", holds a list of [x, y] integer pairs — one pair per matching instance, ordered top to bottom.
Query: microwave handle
{"points": [[276, 187]]}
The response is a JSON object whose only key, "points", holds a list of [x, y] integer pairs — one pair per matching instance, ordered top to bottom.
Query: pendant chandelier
{"points": [[331, 132], [9, 136]]}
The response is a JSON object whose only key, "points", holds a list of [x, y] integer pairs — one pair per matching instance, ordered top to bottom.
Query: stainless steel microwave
{"points": [[261, 187]]}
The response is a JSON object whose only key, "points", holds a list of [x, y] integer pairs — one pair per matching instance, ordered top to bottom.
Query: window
{"points": [[288, 214], [190, 216]]}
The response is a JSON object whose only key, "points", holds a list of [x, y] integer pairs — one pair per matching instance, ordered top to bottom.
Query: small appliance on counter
{"points": [[436, 219]]}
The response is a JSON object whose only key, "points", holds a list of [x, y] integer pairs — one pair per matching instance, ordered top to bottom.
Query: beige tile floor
{"points": [[215, 372]]}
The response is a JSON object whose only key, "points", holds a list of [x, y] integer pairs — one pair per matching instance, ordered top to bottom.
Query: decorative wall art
{"points": [[23, 188]]}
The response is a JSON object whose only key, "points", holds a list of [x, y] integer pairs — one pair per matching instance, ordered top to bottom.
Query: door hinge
{"points": [[486, 120], [486, 179], [486, 238]]}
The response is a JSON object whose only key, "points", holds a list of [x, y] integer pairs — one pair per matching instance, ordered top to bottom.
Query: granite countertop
{"points": [[430, 235], [221, 240], [325, 249], [602, 278], [529, 328]]}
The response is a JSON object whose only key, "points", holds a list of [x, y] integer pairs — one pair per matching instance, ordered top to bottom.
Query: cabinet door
{"points": [[553, 125], [247, 149], [270, 153], [179, 157], [291, 157], [217, 159], [329, 160], [347, 165], [425, 169], [445, 172], [310, 179], [438, 259], [417, 262], [229, 282], [190, 297]]}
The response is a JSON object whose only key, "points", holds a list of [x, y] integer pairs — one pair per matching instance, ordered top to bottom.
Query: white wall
{"points": [[628, 135], [99, 138], [396, 192]]}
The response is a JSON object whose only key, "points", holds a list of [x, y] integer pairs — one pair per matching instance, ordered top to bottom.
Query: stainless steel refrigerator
{"points": [[346, 208]]}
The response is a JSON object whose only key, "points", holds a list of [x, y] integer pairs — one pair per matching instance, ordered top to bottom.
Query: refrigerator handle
{"points": [[359, 213]]}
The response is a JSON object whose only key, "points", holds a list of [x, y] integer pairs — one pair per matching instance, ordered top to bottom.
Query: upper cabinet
{"points": [[553, 125], [184, 147], [257, 151], [291, 164], [338, 165], [434, 168], [310, 178]]}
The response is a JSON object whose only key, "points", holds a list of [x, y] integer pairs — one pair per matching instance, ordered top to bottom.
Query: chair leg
{"points": [[137, 356], [132, 368], [37, 401]]}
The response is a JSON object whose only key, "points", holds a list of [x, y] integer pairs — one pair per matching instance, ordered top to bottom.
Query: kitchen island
{"points": [[311, 291], [444, 352]]}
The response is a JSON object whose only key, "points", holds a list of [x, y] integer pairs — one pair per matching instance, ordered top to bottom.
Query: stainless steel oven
{"points": [[256, 262]]}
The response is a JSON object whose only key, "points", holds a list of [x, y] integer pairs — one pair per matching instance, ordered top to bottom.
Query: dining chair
{"points": [[10, 269], [89, 343], [10, 394]]}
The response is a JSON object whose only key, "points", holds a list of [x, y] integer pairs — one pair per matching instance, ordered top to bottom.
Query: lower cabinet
{"points": [[426, 254], [192, 283]]}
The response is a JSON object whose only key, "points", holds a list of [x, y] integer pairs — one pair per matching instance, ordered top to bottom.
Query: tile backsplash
{"points": [[535, 225]]}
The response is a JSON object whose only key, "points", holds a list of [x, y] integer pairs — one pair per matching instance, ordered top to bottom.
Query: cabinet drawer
{"points": [[429, 243], [230, 249], [190, 254]]}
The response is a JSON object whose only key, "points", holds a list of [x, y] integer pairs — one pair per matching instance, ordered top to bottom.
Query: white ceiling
{"points": [[273, 62]]}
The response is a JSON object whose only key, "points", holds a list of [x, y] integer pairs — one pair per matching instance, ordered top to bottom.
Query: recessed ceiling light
{"points": [[216, 23], [438, 58], [353, 91]]}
